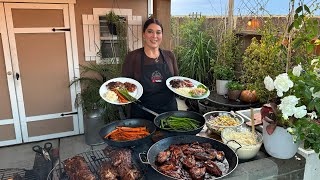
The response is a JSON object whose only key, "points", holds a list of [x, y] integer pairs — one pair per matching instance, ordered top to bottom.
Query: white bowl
{"points": [[218, 128], [244, 150]]}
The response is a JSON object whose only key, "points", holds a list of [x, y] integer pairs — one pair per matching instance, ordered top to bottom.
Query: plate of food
{"points": [[187, 87], [121, 91]]}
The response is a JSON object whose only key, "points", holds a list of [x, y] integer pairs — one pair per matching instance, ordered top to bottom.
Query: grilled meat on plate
{"points": [[108, 172]]}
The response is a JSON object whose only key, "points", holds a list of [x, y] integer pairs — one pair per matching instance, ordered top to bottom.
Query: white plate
{"points": [[195, 84], [136, 94]]}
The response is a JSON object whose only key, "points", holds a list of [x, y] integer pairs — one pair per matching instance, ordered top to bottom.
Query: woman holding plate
{"points": [[152, 66]]}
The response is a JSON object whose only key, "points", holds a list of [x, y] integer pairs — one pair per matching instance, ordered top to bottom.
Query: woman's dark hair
{"points": [[152, 21]]}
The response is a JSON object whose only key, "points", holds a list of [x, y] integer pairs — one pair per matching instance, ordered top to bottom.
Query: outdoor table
{"points": [[231, 105]]}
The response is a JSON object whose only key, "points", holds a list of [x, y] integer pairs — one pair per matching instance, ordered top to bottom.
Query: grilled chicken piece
{"points": [[112, 85], [130, 87], [206, 145], [191, 151], [212, 152], [163, 156], [202, 156], [220, 156], [189, 161], [169, 166], [212, 168], [107, 172], [197, 173]]}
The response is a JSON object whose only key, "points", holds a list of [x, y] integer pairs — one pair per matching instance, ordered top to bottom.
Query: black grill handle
{"points": [[63, 29], [65, 114]]}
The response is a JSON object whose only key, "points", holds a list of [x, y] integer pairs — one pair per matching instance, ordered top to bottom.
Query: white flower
{"points": [[314, 61], [297, 70], [268, 83], [282, 83], [315, 95], [287, 106], [300, 112], [312, 115], [290, 130]]}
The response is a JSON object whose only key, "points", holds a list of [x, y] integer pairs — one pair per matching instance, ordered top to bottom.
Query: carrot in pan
{"points": [[122, 133]]}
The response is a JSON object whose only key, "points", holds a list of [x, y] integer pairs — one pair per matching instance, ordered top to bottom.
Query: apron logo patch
{"points": [[156, 77]]}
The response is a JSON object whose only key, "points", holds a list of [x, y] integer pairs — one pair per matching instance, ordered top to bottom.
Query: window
{"points": [[99, 44]]}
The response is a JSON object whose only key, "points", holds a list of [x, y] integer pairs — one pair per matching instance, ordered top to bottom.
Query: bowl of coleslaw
{"points": [[216, 121], [242, 141]]}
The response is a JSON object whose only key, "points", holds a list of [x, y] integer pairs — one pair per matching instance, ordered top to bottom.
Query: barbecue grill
{"points": [[94, 160], [16, 173]]}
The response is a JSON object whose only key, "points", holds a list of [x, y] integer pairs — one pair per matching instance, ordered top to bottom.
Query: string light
{"points": [[249, 23]]}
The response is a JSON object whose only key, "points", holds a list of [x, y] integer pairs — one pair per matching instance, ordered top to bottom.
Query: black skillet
{"points": [[188, 114], [128, 123], [230, 156]]}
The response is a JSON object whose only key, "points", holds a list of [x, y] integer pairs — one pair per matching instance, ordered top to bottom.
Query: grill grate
{"points": [[94, 160], [17, 174]]}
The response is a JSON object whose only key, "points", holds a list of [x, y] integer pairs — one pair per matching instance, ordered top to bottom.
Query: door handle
{"points": [[17, 76]]}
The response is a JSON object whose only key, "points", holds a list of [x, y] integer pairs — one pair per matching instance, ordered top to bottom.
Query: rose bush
{"points": [[298, 105]]}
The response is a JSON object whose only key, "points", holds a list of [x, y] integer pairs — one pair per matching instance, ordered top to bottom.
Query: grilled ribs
{"points": [[77, 169], [108, 172]]}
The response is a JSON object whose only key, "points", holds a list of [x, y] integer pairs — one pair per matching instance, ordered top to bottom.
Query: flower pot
{"points": [[221, 86], [234, 94], [280, 143]]}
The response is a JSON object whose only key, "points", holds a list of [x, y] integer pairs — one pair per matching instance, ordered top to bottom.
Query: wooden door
{"points": [[43, 59], [10, 132]]}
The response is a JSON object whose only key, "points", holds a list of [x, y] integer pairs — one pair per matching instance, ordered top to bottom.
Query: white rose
{"points": [[297, 70], [268, 83], [282, 83], [287, 106], [300, 112]]}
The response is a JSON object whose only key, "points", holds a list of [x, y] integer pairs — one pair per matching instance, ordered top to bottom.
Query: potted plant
{"points": [[113, 21], [223, 75], [92, 77], [234, 89], [298, 110]]}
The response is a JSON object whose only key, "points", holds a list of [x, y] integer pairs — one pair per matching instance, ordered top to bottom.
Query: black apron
{"points": [[156, 95]]}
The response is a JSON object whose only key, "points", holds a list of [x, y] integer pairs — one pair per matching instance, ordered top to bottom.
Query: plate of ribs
{"points": [[187, 87], [121, 91], [191, 157]]}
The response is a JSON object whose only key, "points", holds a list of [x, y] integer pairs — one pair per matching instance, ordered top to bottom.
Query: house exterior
{"points": [[43, 42]]}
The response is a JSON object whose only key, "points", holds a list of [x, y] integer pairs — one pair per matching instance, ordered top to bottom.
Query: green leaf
{"points": [[307, 8], [299, 9], [290, 27], [317, 106]]}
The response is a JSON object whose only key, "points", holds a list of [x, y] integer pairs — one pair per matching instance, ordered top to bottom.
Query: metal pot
{"points": [[128, 123], [164, 144]]}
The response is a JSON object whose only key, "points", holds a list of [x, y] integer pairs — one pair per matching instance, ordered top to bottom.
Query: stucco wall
{"points": [[139, 8]]}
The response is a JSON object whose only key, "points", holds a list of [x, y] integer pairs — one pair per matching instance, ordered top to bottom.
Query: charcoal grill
{"points": [[94, 160], [16, 173]]}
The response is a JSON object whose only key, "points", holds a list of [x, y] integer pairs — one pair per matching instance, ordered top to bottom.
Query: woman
{"points": [[152, 66]]}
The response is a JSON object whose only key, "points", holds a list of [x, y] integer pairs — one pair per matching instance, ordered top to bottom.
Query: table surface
{"points": [[224, 101]]}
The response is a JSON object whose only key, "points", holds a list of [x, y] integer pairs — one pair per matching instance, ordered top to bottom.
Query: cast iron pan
{"points": [[189, 114], [129, 123], [164, 144]]}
